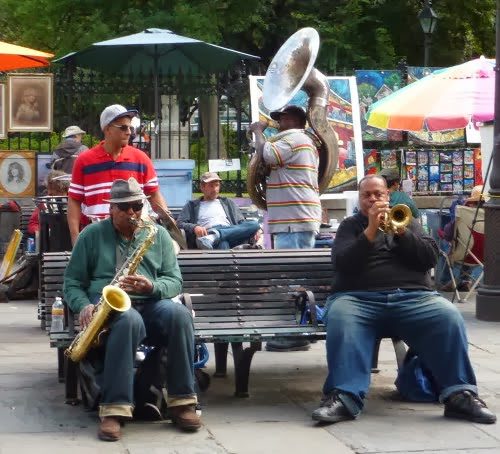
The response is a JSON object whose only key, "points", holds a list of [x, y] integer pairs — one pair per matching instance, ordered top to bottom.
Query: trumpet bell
{"points": [[290, 68], [400, 216]]}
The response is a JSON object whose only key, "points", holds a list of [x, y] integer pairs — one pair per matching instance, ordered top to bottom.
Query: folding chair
{"points": [[467, 248]]}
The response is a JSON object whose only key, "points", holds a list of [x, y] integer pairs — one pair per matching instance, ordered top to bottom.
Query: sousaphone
{"points": [[291, 70]]}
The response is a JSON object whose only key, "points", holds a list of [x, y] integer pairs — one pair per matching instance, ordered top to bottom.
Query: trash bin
{"points": [[175, 177]]}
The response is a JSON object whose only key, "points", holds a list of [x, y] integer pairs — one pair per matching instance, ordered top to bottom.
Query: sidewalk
{"points": [[285, 388]]}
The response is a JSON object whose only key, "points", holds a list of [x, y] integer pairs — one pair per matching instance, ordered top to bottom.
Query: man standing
{"points": [[66, 152], [96, 169], [292, 194], [294, 208], [214, 222], [100, 250], [382, 288]]}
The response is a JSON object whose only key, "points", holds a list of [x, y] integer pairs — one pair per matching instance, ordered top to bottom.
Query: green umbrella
{"points": [[156, 51]]}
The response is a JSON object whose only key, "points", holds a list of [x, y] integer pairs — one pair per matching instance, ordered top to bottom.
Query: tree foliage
{"points": [[355, 34]]}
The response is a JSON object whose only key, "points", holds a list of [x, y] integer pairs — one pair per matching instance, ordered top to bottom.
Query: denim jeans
{"points": [[234, 235], [294, 240], [459, 272], [161, 323], [431, 326]]}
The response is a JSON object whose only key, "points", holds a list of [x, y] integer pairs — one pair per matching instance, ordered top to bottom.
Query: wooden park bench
{"points": [[238, 296]]}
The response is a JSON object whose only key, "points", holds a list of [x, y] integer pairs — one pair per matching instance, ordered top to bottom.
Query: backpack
{"points": [[65, 164], [150, 385]]}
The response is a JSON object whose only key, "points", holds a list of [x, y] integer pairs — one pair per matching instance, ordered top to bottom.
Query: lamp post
{"points": [[428, 20], [488, 294]]}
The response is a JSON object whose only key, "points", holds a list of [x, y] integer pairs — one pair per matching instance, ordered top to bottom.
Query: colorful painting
{"points": [[374, 85], [343, 116], [17, 174]]}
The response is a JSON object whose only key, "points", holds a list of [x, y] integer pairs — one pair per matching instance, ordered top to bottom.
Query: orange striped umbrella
{"points": [[18, 57]]}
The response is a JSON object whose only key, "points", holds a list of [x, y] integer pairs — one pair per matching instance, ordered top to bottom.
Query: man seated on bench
{"points": [[214, 222], [99, 251], [382, 287]]}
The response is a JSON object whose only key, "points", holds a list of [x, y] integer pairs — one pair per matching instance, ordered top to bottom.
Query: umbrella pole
{"points": [[157, 103], [488, 295]]}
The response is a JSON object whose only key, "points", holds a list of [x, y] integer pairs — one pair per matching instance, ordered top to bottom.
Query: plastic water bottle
{"points": [[57, 324]]}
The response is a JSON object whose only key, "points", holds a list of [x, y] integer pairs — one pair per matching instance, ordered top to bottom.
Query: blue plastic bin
{"points": [[175, 177]]}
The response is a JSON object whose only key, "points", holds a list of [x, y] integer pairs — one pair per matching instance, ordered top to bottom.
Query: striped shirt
{"points": [[95, 170], [292, 193]]}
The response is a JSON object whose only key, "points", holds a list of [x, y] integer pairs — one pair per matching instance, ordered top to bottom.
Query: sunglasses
{"points": [[123, 128], [125, 206]]}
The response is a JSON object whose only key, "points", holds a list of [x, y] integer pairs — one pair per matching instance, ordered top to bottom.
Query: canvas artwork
{"points": [[374, 85], [30, 100], [2, 111], [343, 115], [43, 168], [17, 174]]}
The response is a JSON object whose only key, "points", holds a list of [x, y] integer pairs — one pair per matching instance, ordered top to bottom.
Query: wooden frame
{"points": [[30, 102], [3, 112], [17, 174]]}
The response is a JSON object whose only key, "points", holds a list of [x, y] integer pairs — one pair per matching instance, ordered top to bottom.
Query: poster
{"points": [[374, 85], [343, 115], [443, 171], [17, 174]]}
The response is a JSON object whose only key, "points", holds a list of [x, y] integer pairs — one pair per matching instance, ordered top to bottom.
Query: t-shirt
{"points": [[95, 170], [292, 192], [212, 213]]}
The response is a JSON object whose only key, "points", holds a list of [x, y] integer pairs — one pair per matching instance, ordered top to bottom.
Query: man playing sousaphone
{"points": [[100, 250]]}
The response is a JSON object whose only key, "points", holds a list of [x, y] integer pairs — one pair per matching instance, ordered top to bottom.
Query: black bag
{"points": [[150, 386]]}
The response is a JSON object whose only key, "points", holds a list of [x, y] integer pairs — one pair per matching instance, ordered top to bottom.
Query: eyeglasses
{"points": [[123, 128], [125, 206]]}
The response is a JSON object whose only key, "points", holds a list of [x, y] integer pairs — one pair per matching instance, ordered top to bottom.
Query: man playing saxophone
{"points": [[99, 252], [381, 287]]}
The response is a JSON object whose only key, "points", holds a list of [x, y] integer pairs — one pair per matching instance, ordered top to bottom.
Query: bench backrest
{"points": [[233, 289]]}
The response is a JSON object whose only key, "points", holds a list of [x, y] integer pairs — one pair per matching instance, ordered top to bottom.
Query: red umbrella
{"points": [[18, 57]]}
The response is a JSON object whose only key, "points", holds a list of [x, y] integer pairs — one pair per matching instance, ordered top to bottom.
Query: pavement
{"points": [[284, 387]]}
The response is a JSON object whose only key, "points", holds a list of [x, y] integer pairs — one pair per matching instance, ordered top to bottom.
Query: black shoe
{"points": [[288, 345], [465, 405], [332, 410]]}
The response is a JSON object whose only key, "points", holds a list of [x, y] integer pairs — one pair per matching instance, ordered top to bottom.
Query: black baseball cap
{"points": [[298, 111]]}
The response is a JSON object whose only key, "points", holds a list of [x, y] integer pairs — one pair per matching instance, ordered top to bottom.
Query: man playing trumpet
{"points": [[100, 250], [382, 288]]}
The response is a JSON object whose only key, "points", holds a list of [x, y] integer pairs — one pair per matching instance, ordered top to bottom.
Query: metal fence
{"points": [[201, 118]]}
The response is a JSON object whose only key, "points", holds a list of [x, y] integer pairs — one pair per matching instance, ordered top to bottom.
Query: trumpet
{"points": [[398, 218]]}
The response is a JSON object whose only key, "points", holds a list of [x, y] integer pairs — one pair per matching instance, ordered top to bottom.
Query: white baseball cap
{"points": [[111, 113], [72, 131]]}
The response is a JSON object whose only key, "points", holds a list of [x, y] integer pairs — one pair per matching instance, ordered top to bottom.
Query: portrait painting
{"points": [[30, 100], [2, 111], [17, 174]]}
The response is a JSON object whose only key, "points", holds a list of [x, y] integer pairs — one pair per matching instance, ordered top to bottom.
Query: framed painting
{"points": [[30, 101], [17, 174]]}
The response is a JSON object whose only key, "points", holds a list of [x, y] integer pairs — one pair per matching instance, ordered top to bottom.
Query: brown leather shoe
{"points": [[185, 417], [109, 429]]}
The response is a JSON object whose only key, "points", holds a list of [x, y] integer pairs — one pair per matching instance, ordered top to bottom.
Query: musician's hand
{"points": [[258, 126], [375, 216], [200, 231], [135, 283], [85, 315]]}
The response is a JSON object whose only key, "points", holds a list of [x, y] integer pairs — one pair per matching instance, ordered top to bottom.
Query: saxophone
{"points": [[113, 299]]}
